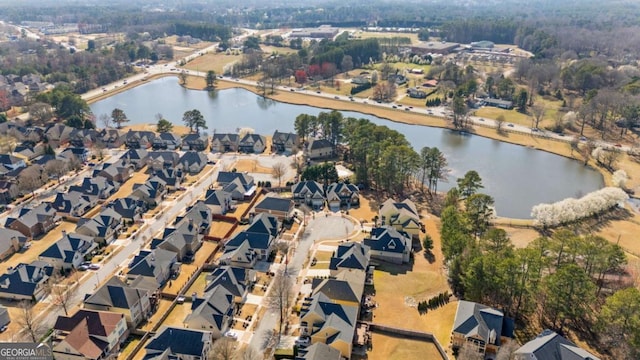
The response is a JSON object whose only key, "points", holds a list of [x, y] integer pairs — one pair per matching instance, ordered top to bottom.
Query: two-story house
{"points": [[195, 142], [284, 142], [225, 143], [252, 143], [308, 192], [34, 222], [103, 228], [388, 244], [68, 252], [26, 281], [117, 296], [179, 343]]}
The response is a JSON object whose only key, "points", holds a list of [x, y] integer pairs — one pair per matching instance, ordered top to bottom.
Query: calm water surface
{"points": [[517, 177]]}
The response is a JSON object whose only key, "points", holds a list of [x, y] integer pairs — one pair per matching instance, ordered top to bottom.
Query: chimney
{"points": [[64, 233]]}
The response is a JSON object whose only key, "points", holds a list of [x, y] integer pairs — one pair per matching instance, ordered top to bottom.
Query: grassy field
{"points": [[370, 34], [212, 61], [251, 166], [220, 228], [389, 347]]}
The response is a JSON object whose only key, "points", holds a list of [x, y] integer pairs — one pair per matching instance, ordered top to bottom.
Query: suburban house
{"points": [[417, 93], [499, 103], [59, 134], [112, 138], [139, 139], [166, 141], [195, 142], [284, 142], [225, 143], [252, 143], [320, 149], [29, 151], [80, 153], [136, 157], [159, 160], [11, 162], [192, 162], [120, 171], [171, 177], [239, 185], [96, 186], [9, 191], [152, 192], [308, 192], [342, 194], [218, 201], [73, 203], [278, 207], [129, 208], [198, 215], [402, 216], [34, 222], [103, 228], [184, 240], [11, 241], [253, 244], [388, 244], [68, 252], [349, 256], [155, 265], [235, 279], [26, 281], [117, 296], [213, 312], [329, 323], [480, 326], [89, 334], [179, 343], [550, 345], [319, 351]]}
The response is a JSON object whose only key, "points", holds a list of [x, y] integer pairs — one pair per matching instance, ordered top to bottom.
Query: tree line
{"points": [[563, 279]]}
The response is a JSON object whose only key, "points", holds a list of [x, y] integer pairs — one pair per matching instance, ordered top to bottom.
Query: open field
{"points": [[359, 34], [212, 61], [178, 129], [252, 166], [390, 347]]}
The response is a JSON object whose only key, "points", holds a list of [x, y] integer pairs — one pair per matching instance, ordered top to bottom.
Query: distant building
{"points": [[322, 32], [434, 47], [499, 103], [551, 346]]}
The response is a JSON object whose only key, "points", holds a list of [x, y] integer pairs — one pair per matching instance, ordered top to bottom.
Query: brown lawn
{"points": [[212, 61], [178, 129], [252, 166], [139, 177], [366, 211], [220, 228], [521, 237], [38, 246], [205, 251], [323, 255], [198, 285], [174, 286], [163, 307], [178, 314], [390, 347], [128, 349]]}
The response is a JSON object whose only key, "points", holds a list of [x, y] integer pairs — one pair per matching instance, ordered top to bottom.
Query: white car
{"points": [[180, 299], [231, 334]]}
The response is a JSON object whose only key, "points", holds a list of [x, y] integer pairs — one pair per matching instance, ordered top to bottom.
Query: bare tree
{"points": [[183, 77], [262, 86], [538, 110], [40, 113], [105, 121], [500, 123], [98, 149], [75, 164], [56, 168], [279, 170], [30, 179], [61, 294], [280, 298], [27, 321], [223, 349], [507, 349], [469, 351], [250, 353]]}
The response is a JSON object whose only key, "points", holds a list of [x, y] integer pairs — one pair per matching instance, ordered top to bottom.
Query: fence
{"points": [[408, 334]]}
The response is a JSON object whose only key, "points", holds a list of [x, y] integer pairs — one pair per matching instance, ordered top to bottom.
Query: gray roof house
{"points": [[139, 139], [166, 141], [195, 142], [225, 142], [284, 142], [252, 143], [320, 149], [137, 157], [159, 160], [192, 162], [119, 171], [171, 177], [239, 185], [96, 186], [151, 192], [308, 192], [342, 194], [218, 201], [73, 203], [278, 207], [129, 208], [199, 214], [34, 222], [104, 227], [184, 240], [11, 241], [388, 244], [68, 252], [349, 256], [155, 265], [235, 279], [26, 281], [117, 296], [213, 312], [5, 318], [480, 326], [179, 343], [549, 345], [320, 351]]}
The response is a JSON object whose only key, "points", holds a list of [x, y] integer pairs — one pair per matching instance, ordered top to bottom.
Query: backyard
{"points": [[390, 347]]}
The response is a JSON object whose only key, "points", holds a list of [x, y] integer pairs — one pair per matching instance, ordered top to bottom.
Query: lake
{"points": [[516, 176]]}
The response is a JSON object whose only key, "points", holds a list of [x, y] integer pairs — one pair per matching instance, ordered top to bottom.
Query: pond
{"points": [[516, 176]]}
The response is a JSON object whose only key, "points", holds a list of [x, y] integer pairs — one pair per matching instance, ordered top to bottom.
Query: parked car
{"points": [[94, 266], [83, 268], [180, 299], [302, 341]]}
